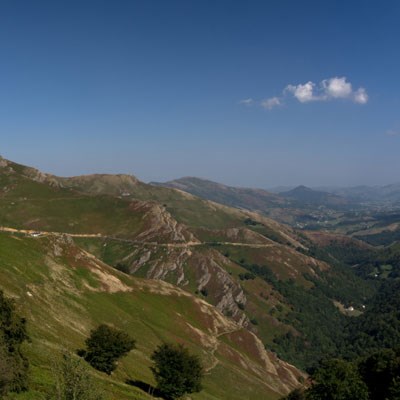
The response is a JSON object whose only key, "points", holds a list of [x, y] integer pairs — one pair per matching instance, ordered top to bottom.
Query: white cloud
{"points": [[337, 88], [328, 89], [303, 93], [361, 96], [247, 102], [270, 103]]}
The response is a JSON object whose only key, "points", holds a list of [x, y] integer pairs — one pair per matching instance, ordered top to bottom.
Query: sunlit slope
{"points": [[118, 203], [39, 204], [261, 274], [221, 275], [270, 288], [64, 292]]}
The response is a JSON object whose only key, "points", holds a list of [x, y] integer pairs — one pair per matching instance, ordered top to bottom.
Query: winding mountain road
{"points": [[37, 233]]}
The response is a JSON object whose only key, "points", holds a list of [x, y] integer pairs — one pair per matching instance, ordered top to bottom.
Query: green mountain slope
{"points": [[305, 196], [262, 275], [64, 292]]}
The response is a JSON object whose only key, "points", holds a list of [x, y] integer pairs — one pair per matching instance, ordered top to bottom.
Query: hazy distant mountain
{"points": [[280, 189], [378, 194], [306, 196], [251, 199]]}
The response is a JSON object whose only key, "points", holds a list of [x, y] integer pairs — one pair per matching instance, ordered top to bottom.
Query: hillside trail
{"points": [[38, 233], [216, 344], [216, 362]]}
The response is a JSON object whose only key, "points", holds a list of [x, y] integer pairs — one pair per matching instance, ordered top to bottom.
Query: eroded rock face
{"points": [[159, 225], [188, 267], [211, 276]]}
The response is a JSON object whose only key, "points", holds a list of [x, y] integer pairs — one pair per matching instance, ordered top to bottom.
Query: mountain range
{"points": [[230, 283]]}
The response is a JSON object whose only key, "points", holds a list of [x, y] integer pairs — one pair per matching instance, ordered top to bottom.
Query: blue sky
{"points": [[249, 93]]}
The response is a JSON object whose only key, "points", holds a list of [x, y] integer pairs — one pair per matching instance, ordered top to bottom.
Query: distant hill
{"points": [[280, 189], [388, 194], [306, 196], [251, 199], [298, 207]]}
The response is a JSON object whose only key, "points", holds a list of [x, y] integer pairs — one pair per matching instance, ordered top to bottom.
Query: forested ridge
{"points": [[365, 363]]}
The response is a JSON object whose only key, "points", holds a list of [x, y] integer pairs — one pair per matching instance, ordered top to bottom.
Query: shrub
{"points": [[122, 267], [246, 276], [105, 346], [13, 364], [176, 371], [73, 380], [337, 380]]}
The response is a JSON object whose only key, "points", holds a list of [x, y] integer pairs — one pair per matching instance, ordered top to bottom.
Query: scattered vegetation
{"points": [[247, 276], [204, 292], [105, 346], [13, 363], [177, 372], [375, 377], [73, 380]]}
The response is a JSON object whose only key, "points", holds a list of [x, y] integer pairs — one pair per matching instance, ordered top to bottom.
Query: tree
{"points": [[105, 346], [13, 364], [176, 371], [381, 372], [6, 373], [73, 380], [337, 380], [296, 394]]}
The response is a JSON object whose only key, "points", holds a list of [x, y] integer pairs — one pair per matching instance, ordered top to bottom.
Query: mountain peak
{"points": [[305, 195]]}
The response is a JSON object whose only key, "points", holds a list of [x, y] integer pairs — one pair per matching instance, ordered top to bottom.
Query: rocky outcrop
{"points": [[159, 225], [188, 267]]}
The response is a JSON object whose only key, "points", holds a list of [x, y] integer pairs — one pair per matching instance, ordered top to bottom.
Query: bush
{"points": [[122, 267], [246, 276], [105, 346], [13, 364], [176, 371], [337, 380], [73, 381], [297, 394]]}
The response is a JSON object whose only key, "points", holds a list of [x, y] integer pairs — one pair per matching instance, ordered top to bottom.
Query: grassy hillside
{"points": [[116, 204], [261, 274], [271, 289], [64, 292]]}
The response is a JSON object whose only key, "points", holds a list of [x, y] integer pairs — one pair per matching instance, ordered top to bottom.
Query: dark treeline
{"points": [[13, 363], [366, 365], [374, 377]]}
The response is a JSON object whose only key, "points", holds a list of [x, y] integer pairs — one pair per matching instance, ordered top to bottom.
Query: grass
{"points": [[63, 297], [262, 298]]}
